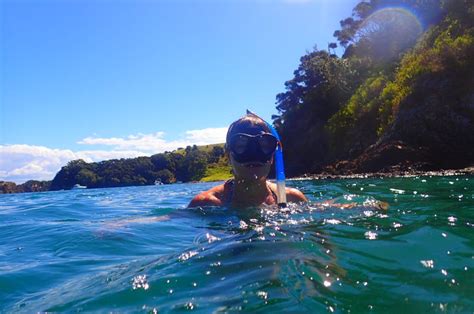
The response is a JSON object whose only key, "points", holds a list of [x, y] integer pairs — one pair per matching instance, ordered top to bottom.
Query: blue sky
{"points": [[108, 79]]}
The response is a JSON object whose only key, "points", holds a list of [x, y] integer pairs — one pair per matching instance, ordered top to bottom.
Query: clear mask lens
{"points": [[247, 148]]}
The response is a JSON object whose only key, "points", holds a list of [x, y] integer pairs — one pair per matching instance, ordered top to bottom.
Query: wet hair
{"points": [[250, 124]]}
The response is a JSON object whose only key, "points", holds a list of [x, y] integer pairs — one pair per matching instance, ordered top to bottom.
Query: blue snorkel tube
{"points": [[279, 166]]}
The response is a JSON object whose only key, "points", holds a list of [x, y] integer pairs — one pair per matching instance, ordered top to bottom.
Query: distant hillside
{"points": [[193, 163], [184, 165], [28, 186]]}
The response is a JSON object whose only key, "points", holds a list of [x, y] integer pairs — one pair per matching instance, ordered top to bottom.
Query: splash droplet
{"points": [[397, 191], [370, 235], [210, 238], [187, 255], [427, 263], [140, 281], [262, 294]]}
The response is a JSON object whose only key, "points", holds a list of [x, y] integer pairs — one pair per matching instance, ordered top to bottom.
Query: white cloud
{"points": [[206, 136], [148, 142], [155, 142], [99, 155], [19, 162], [22, 162]]}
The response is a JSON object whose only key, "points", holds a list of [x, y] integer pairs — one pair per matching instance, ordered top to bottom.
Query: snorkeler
{"points": [[252, 145]]}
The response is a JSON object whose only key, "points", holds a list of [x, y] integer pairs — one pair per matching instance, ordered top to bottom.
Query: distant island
{"points": [[399, 99], [7, 187]]}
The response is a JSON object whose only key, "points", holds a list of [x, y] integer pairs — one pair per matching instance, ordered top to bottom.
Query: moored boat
{"points": [[78, 186]]}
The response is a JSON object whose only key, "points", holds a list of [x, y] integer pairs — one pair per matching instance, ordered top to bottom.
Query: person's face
{"points": [[251, 143], [250, 170]]}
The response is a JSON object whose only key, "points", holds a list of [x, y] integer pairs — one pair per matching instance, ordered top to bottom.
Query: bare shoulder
{"points": [[292, 195], [295, 195], [212, 197]]}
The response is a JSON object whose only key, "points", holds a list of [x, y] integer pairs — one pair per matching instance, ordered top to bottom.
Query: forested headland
{"points": [[399, 96], [182, 165]]}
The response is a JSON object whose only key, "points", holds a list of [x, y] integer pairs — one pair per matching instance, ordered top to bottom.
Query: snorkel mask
{"points": [[246, 148], [279, 166]]}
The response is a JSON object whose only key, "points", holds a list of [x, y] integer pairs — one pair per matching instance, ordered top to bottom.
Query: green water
{"points": [[138, 249]]}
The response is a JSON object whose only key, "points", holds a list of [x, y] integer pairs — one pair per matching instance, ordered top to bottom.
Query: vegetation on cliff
{"points": [[398, 87]]}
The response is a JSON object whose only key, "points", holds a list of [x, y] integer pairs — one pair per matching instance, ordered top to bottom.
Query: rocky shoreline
{"points": [[395, 173]]}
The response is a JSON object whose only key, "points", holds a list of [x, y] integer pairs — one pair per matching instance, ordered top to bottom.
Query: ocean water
{"points": [[138, 249]]}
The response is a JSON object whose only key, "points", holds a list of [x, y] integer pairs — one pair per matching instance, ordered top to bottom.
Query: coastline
{"points": [[391, 174], [318, 176]]}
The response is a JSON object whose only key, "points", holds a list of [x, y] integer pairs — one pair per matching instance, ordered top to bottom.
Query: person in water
{"points": [[251, 147]]}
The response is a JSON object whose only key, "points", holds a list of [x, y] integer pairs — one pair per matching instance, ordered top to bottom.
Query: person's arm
{"points": [[295, 195], [208, 198], [203, 199]]}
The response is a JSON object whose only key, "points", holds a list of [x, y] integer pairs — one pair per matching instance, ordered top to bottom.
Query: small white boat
{"points": [[158, 182], [78, 186]]}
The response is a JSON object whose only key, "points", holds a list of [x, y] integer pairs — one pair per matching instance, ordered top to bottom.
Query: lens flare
{"points": [[387, 32]]}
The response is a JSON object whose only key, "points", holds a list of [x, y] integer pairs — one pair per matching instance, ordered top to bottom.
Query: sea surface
{"points": [[380, 245]]}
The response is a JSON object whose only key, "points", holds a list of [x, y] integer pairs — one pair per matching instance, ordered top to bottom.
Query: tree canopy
{"points": [[185, 165]]}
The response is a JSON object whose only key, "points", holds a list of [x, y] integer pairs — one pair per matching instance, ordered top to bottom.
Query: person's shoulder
{"points": [[292, 195], [212, 197]]}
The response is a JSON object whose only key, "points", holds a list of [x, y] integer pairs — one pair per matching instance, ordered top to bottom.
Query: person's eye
{"points": [[240, 145], [267, 145]]}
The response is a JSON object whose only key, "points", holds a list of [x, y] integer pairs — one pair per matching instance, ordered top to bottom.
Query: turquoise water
{"points": [[138, 249]]}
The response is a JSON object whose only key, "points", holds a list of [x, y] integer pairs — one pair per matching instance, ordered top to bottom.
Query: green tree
{"points": [[321, 85], [216, 154], [164, 161], [193, 166], [165, 176], [66, 177], [86, 177]]}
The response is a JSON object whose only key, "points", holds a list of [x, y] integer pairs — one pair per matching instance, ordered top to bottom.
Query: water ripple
{"points": [[359, 245]]}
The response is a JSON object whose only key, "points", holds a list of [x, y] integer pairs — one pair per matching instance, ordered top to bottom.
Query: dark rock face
{"points": [[444, 128], [395, 156], [35, 186], [8, 187]]}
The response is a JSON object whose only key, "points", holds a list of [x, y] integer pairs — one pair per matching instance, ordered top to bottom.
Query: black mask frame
{"points": [[252, 148]]}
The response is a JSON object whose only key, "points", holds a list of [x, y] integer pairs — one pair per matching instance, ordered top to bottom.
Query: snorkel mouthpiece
{"points": [[279, 166]]}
